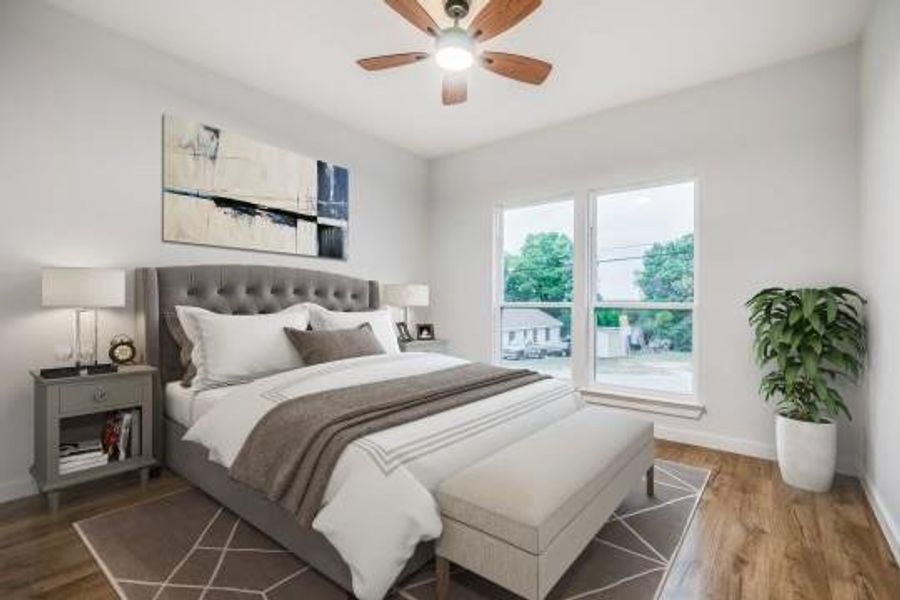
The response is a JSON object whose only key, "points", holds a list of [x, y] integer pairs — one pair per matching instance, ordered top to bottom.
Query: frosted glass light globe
{"points": [[455, 50]]}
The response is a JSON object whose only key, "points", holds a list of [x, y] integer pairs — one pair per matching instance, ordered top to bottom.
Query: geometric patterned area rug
{"points": [[187, 547]]}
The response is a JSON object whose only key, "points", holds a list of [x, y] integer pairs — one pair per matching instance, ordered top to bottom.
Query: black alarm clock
{"points": [[122, 350]]}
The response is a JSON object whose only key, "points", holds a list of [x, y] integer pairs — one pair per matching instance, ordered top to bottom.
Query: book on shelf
{"points": [[121, 434], [120, 439], [135, 441], [81, 447], [77, 456], [72, 459], [80, 464]]}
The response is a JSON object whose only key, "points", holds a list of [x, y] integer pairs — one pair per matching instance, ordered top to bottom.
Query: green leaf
{"points": [[808, 300], [831, 308], [817, 324], [816, 344], [811, 364], [790, 375]]}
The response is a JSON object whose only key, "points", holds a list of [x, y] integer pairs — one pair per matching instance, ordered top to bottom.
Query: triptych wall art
{"points": [[223, 189]]}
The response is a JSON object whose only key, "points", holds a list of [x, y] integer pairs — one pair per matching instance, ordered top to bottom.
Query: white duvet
{"points": [[379, 505]]}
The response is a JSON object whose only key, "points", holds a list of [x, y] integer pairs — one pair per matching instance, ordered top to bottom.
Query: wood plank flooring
{"points": [[752, 537], [755, 537]]}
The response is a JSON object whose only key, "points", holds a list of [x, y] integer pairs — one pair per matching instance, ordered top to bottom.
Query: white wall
{"points": [[80, 120], [776, 157], [880, 253]]}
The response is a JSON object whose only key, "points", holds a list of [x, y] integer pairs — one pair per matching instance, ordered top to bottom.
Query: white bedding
{"points": [[185, 405], [379, 503]]}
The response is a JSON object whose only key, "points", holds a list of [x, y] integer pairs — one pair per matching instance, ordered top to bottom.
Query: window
{"points": [[630, 256], [536, 287], [643, 290]]}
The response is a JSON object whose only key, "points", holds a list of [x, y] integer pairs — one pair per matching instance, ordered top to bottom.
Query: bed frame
{"points": [[242, 290]]}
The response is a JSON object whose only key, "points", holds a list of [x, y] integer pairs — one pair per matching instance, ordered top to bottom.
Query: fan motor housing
{"points": [[456, 9]]}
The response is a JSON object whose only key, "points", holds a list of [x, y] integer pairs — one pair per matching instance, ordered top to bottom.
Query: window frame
{"points": [[499, 291], [583, 332], [624, 392]]}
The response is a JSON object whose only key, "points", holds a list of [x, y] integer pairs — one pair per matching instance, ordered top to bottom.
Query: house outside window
{"points": [[535, 299]]}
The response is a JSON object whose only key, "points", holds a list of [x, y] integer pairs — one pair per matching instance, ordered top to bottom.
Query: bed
{"points": [[252, 289]]}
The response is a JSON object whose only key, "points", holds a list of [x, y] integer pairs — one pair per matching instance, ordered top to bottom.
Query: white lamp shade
{"points": [[82, 288], [405, 294]]}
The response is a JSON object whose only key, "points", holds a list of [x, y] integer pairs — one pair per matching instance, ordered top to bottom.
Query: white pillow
{"points": [[381, 321], [231, 349]]}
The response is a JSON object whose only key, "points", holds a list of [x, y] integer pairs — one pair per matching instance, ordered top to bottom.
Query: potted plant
{"points": [[808, 339]]}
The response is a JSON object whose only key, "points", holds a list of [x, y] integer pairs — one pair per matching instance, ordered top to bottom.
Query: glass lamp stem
{"points": [[79, 313], [95, 336], [77, 349]]}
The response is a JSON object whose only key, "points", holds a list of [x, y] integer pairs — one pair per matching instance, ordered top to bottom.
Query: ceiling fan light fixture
{"points": [[455, 50]]}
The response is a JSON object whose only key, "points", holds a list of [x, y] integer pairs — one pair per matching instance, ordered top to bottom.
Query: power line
{"points": [[626, 247], [641, 257]]}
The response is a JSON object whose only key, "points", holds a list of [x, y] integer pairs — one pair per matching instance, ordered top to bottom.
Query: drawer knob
{"points": [[100, 395]]}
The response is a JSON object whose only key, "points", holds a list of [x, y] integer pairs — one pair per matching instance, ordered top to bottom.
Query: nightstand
{"points": [[435, 346], [74, 410]]}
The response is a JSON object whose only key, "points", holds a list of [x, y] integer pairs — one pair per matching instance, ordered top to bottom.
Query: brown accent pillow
{"points": [[321, 346], [185, 348]]}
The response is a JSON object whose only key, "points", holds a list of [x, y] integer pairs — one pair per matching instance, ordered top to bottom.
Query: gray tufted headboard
{"points": [[234, 289]]}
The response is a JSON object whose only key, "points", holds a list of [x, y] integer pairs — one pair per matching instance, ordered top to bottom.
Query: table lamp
{"points": [[84, 290], [405, 296]]}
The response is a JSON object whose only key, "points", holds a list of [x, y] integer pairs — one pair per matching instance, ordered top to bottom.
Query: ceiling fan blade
{"points": [[413, 12], [499, 16], [389, 61], [514, 66], [456, 89]]}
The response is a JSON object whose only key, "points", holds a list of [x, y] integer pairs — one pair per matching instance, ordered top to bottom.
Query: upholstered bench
{"points": [[521, 517]]}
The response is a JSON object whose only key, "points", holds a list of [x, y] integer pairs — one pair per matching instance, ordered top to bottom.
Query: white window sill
{"points": [[686, 406]]}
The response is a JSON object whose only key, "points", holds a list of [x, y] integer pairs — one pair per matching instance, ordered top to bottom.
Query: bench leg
{"points": [[650, 487], [442, 570]]}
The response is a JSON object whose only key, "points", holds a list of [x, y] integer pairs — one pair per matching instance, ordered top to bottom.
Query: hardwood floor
{"points": [[752, 537], [755, 537], [41, 555]]}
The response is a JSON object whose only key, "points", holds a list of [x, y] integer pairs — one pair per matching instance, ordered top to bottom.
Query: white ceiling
{"points": [[606, 53]]}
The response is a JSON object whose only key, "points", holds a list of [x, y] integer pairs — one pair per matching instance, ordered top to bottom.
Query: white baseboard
{"points": [[716, 441], [845, 465], [18, 488], [889, 527]]}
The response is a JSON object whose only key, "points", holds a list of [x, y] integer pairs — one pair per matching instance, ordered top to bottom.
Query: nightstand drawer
{"points": [[99, 395]]}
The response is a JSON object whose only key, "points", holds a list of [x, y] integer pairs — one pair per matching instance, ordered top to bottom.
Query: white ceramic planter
{"points": [[806, 453]]}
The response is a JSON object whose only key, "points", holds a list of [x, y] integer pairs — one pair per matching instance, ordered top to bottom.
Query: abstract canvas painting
{"points": [[223, 189]]}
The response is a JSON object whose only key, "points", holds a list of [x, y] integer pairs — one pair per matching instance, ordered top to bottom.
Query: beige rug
{"points": [[186, 547]]}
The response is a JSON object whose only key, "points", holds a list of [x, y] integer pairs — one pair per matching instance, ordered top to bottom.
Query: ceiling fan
{"points": [[456, 48]]}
